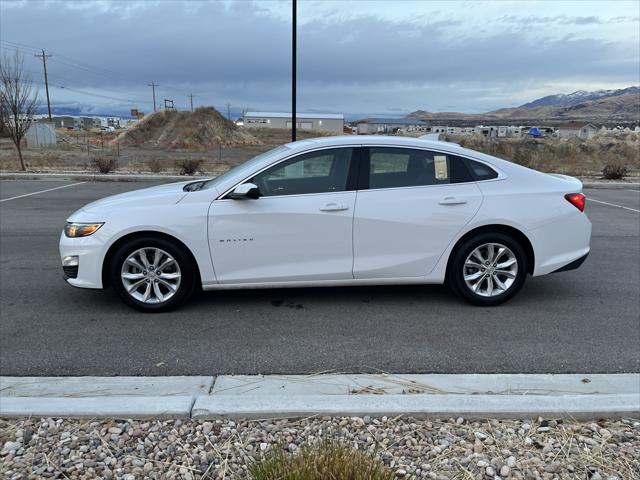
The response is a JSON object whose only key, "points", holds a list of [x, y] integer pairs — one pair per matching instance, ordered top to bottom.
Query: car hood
{"points": [[167, 194]]}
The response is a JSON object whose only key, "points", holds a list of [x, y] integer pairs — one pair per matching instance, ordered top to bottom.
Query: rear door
{"points": [[411, 203]]}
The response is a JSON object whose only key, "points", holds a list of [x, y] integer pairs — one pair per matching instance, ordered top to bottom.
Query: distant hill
{"points": [[581, 96], [621, 105], [77, 109]]}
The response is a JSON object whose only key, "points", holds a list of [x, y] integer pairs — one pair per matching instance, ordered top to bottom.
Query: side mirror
{"points": [[244, 191]]}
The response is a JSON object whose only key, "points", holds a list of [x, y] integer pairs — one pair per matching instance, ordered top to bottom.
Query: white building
{"points": [[331, 122], [583, 131], [40, 134]]}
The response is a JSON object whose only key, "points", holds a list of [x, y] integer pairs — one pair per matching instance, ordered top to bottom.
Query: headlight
{"points": [[74, 230]]}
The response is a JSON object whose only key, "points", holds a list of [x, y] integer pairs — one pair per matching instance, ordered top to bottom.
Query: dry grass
{"points": [[75, 150], [569, 156], [104, 164], [155, 165], [189, 166], [614, 171], [331, 460]]}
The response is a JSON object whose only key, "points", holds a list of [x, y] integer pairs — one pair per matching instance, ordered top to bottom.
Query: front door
{"points": [[412, 204], [300, 229]]}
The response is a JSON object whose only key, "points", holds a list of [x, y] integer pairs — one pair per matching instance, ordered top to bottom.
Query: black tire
{"points": [[188, 272], [455, 273]]}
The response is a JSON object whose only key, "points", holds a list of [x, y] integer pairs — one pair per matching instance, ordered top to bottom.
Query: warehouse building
{"points": [[331, 122], [372, 126]]}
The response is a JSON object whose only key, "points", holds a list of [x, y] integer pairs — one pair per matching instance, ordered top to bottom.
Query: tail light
{"points": [[577, 200]]}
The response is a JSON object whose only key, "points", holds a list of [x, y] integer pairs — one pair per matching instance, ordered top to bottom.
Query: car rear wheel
{"points": [[488, 269], [153, 274]]}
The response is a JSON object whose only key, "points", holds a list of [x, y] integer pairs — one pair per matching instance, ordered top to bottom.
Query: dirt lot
{"points": [[76, 151], [569, 156]]}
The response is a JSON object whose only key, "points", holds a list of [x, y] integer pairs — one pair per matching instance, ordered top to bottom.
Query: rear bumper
{"points": [[561, 243], [572, 265]]}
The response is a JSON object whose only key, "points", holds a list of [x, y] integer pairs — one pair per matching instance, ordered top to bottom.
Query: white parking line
{"points": [[41, 191], [613, 205]]}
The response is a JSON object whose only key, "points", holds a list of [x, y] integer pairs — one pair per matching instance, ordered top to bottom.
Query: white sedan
{"points": [[334, 211]]}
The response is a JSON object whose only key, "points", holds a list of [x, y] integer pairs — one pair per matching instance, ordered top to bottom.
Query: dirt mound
{"points": [[202, 129]]}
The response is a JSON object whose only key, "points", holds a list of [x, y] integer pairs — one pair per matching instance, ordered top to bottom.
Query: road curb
{"points": [[125, 177], [610, 185], [257, 396], [467, 406], [96, 407]]}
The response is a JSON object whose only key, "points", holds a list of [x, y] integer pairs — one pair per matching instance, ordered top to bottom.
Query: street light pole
{"points": [[293, 69]]}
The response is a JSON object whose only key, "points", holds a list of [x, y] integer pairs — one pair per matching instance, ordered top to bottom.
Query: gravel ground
{"points": [[447, 449]]}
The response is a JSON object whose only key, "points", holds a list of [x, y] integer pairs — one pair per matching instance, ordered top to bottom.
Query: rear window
{"points": [[480, 171]]}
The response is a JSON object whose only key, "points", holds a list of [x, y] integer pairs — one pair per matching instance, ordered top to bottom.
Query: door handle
{"points": [[452, 201], [334, 207]]}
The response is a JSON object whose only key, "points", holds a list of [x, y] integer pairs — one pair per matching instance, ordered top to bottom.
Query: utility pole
{"points": [[294, 22], [46, 80], [153, 86], [191, 100], [228, 111]]}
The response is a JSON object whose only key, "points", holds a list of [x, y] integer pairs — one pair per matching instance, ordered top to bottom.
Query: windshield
{"points": [[245, 166]]}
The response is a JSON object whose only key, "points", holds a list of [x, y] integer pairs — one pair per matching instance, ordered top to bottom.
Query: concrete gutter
{"points": [[134, 177], [257, 396], [118, 397]]}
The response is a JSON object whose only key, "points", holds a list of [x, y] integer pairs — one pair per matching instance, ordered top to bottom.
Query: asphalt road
{"points": [[586, 320]]}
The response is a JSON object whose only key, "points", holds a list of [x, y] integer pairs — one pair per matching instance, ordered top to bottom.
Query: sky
{"points": [[354, 56]]}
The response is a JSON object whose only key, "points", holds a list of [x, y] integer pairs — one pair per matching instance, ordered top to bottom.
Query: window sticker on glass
{"points": [[440, 165]]}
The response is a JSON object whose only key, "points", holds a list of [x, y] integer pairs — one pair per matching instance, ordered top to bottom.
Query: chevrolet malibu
{"points": [[334, 211]]}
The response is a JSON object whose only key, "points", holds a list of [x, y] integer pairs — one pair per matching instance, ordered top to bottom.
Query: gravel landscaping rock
{"points": [[544, 449]]}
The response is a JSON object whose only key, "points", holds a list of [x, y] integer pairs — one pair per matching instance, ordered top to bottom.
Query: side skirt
{"points": [[323, 283]]}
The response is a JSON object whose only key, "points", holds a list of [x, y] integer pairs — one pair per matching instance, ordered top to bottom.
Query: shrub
{"points": [[104, 164], [155, 165], [189, 167], [614, 171], [332, 460]]}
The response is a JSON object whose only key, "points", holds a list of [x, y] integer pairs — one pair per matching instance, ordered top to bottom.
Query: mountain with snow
{"points": [[575, 98], [601, 106]]}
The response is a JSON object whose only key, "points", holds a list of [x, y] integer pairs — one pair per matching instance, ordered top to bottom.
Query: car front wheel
{"points": [[488, 269], [152, 274]]}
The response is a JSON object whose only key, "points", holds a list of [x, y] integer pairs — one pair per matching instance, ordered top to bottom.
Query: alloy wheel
{"points": [[490, 269], [150, 275]]}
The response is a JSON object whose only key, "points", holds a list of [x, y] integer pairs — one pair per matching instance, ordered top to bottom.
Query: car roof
{"points": [[382, 140]]}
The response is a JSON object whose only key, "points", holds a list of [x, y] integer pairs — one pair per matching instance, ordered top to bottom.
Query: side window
{"points": [[406, 167], [481, 171], [316, 172]]}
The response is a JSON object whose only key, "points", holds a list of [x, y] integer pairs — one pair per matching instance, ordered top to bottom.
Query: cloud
{"points": [[239, 52]]}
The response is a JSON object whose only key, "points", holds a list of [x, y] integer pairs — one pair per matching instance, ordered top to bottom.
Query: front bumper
{"points": [[89, 251]]}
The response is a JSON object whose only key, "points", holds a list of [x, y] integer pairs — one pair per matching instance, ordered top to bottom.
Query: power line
{"points": [[69, 62], [46, 80], [69, 81], [153, 86], [82, 92], [191, 100]]}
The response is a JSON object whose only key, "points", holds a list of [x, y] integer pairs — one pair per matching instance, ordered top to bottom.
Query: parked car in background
{"points": [[334, 211]]}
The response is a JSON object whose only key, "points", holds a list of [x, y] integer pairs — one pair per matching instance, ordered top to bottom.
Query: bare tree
{"points": [[18, 101]]}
